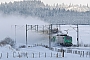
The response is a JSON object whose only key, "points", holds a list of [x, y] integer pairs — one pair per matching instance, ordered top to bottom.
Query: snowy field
{"points": [[7, 29]]}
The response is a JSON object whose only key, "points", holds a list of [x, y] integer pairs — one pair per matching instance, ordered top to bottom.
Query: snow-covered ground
{"points": [[7, 29], [36, 50]]}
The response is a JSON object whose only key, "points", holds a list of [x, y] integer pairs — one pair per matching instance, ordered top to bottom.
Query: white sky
{"points": [[51, 2]]}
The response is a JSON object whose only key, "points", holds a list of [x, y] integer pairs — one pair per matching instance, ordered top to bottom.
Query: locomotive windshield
{"points": [[68, 38]]}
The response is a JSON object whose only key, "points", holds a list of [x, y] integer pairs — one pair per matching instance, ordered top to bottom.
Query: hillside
{"points": [[63, 14]]}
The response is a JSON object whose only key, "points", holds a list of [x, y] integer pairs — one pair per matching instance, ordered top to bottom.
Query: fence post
{"points": [[37, 28], [67, 51], [70, 51], [73, 52], [62, 53], [83, 53], [7, 54], [13, 54], [39, 54], [45, 54], [51, 54], [80, 54], [86, 54], [89, 54], [19, 55], [26, 55], [33, 55], [57, 55], [1, 56]]}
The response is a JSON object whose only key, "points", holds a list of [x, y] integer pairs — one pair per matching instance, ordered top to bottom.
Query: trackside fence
{"points": [[58, 54]]}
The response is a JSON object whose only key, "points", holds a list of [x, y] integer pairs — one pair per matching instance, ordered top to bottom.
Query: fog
{"points": [[7, 28]]}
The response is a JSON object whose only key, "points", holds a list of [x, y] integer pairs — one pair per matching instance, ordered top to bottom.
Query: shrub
{"points": [[9, 41], [22, 46]]}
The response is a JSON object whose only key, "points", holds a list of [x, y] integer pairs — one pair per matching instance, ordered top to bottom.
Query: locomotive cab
{"points": [[64, 40]]}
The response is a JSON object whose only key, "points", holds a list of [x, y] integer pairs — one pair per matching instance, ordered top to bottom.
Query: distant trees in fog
{"points": [[36, 8]]}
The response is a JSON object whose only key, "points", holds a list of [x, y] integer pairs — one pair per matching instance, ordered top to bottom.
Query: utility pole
{"points": [[77, 30], [15, 33], [26, 34], [50, 34], [77, 36], [49, 38]]}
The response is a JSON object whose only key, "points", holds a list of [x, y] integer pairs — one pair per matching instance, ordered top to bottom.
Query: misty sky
{"points": [[51, 2]]}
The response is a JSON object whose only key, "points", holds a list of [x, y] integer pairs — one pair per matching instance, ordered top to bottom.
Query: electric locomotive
{"points": [[63, 39]]}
